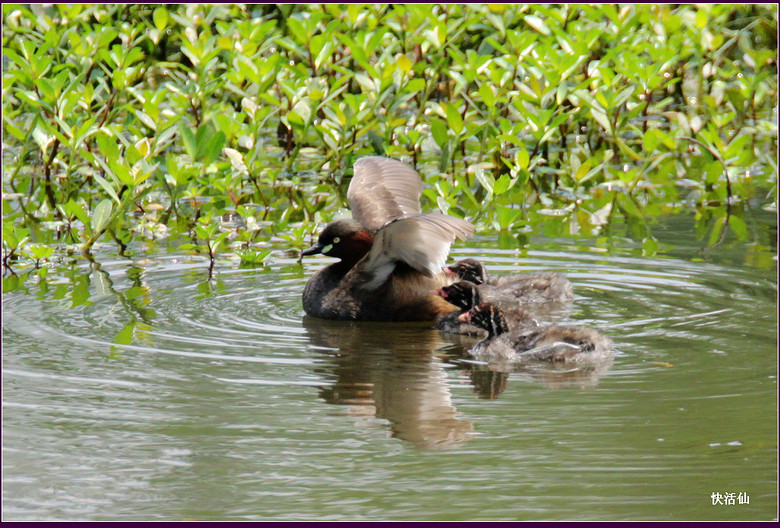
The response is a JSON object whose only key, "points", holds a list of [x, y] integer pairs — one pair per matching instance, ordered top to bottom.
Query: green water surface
{"points": [[138, 389]]}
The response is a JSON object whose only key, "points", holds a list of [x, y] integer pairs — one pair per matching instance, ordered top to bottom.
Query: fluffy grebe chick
{"points": [[524, 288], [465, 295], [552, 343]]}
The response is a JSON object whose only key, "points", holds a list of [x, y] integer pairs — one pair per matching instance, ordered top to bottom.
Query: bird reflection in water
{"points": [[391, 371], [398, 372]]}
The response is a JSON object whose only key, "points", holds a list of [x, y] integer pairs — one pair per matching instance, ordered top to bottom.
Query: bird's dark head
{"points": [[342, 239], [469, 269], [462, 294], [487, 317]]}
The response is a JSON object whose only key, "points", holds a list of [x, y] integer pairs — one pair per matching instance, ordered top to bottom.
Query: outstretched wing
{"points": [[382, 190], [420, 241]]}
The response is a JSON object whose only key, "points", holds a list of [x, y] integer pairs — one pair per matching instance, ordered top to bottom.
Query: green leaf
{"points": [[160, 17], [537, 23], [107, 36], [324, 54], [20, 62], [404, 64], [415, 85], [45, 89], [561, 93], [487, 95], [584, 96], [300, 114], [453, 118], [146, 119], [601, 119], [11, 127], [439, 131], [202, 136], [41, 138], [188, 138], [511, 139], [650, 139], [737, 145], [108, 147], [214, 147], [132, 154], [444, 158], [522, 158], [582, 171], [713, 171], [122, 173], [485, 179], [462, 184], [502, 184], [106, 186], [628, 205], [74, 209], [101, 215], [506, 216], [739, 227], [716, 230], [12, 236], [649, 246], [40, 251], [250, 256], [12, 283], [125, 335]]}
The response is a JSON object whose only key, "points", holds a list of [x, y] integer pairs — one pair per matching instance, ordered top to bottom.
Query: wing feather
{"points": [[381, 190], [420, 241]]}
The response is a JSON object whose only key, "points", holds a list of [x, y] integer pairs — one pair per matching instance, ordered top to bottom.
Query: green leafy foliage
{"points": [[134, 121]]}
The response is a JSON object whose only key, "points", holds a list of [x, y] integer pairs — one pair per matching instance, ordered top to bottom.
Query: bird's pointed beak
{"points": [[314, 250]]}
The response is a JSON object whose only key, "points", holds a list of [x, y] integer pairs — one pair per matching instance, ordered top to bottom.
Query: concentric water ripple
{"points": [[153, 391]]}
